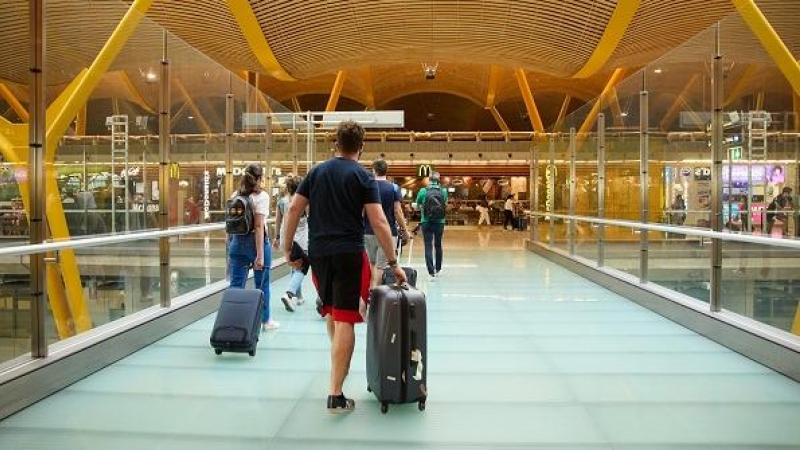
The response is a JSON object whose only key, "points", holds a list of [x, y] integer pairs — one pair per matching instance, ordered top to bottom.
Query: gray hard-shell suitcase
{"points": [[238, 322], [397, 346]]}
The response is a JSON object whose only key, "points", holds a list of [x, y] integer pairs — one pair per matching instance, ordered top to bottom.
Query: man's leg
{"points": [[438, 231], [427, 235], [331, 325], [342, 345]]}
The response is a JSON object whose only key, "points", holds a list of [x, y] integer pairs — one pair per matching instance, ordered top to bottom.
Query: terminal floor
{"points": [[522, 354]]}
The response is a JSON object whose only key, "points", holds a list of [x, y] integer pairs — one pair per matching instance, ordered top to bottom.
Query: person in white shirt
{"points": [[508, 210], [253, 249], [294, 294]]}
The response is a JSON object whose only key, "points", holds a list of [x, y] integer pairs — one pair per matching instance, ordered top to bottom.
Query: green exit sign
{"points": [[736, 152]]}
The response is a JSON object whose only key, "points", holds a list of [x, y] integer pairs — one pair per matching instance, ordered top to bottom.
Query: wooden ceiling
{"points": [[382, 44]]}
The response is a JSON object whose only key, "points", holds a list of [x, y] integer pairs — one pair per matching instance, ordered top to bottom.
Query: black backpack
{"points": [[434, 205], [240, 217]]}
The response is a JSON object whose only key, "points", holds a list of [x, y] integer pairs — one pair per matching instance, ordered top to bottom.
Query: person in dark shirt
{"points": [[337, 193], [390, 202]]}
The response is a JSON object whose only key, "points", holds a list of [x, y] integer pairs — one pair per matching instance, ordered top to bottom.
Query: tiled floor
{"points": [[523, 354]]}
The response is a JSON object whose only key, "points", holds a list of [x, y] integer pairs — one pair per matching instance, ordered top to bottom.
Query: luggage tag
{"points": [[416, 357]]}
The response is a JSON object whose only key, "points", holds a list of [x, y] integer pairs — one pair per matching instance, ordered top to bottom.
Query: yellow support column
{"points": [[615, 29], [251, 30], [770, 40], [369, 90], [336, 91], [9, 97], [796, 103], [530, 105], [196, 111], [616, 111], [590, 118], [499, 119]]}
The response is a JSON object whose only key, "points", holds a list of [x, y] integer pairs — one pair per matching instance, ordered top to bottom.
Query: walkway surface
{"points": [[523, 354]]}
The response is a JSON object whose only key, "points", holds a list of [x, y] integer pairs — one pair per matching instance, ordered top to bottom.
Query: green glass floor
{"points": [[523, 355]]}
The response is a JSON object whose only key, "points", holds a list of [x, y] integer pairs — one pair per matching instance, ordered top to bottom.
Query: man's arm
{"points": [[292, 218], [401, 218], [278, 219], [384, 235]]}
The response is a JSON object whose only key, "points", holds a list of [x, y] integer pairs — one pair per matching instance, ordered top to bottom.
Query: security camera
{"points": [[411, 155], [480, 155]]}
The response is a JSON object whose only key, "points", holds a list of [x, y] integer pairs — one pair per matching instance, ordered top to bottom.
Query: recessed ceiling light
{"points": [[659, 70]]}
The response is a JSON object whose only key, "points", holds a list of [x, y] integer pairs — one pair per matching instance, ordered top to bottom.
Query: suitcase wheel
{"points": [[218, 351], [252, 352], [369, 389], [421, 405], [384, 407]]}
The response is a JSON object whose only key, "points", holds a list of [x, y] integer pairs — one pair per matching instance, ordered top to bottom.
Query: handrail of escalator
{"points": [[112, 239]]}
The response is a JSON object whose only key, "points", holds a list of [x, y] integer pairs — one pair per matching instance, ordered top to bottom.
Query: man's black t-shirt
{"points": [[337, 191]]}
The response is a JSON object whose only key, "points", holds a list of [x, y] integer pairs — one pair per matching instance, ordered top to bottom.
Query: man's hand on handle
{"points": [[399, 274]]}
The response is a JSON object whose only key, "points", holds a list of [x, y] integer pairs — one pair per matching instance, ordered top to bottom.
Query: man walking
{"points": [[337, 193], [432, 201], [392, 209]]}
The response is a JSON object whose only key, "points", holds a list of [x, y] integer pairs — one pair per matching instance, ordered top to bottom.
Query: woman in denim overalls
{"points": [[253, 250]]}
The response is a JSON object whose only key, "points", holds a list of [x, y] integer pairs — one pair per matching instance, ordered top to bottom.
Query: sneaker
{"points": [[438, 274], [432, 277], [288, 301], [299, 301], [271, 325], [340, 404]]}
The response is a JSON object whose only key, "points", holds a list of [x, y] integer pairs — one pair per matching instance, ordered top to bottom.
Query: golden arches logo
{"points": [[424, 170]]}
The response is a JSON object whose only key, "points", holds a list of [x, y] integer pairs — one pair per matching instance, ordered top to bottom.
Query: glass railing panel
{"points": [[586, 240], [621, 249], [197, 260], [680, 262], [762, 282], [15, 307]]}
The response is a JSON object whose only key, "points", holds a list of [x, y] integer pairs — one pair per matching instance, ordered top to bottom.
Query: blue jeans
{"points": [[432, 233], [241, 256], [296, 282]]}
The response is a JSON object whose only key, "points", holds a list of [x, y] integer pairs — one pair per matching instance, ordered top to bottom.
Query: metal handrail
{"points": [[691, 231], [121, 238]]}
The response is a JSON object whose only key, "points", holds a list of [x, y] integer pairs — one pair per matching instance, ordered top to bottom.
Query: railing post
{"points": [[717, 93], [229, 109], [294, 152], [644, 157], [36, 171], [163, 175], [601, 186], [551, 189], [535, 190], [572, 223]]}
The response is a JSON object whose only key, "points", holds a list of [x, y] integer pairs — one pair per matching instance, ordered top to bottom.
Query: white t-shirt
{"points": [[261, 203], [509, 205], [301, 233]]}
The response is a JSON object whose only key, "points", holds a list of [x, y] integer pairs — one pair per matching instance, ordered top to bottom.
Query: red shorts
{"points": [[342, 280]]}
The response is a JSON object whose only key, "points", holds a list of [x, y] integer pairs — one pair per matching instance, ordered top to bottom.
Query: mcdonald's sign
{"points": [[174, 170], [424, 170]]}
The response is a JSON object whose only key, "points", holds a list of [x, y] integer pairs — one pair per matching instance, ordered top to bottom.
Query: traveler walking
{"points": [[337, 193], [432, 201], [392, 209], [483, 210], [508, 210], [252, 249], [294, 294]]}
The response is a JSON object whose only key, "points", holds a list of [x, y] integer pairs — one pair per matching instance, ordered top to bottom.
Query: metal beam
{"points": [[251, 29], [615, 29], [770, 40], [740, 84], [369, 89], [491, 92], [136, 96], [9, 97], [333, 100], [760, 101], [296, 104], [796, 104], [530, 105], [615, 108], [673, 109], [562, 113], [590, 118], [174, 119], [499, 119], [80, 121], [204, 126]]}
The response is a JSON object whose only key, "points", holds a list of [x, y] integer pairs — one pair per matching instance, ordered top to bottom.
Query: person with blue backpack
{"points": [[432, 202], [245, 223]]}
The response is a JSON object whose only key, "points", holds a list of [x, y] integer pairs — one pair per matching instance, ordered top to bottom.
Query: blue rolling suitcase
{"points": [[238, 322]]}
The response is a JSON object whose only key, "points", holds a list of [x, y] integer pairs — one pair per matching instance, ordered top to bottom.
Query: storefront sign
{"points": [[424, 170], [237, 171], [702, 173], [549, 179], [206, 192], [151, 207]]}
